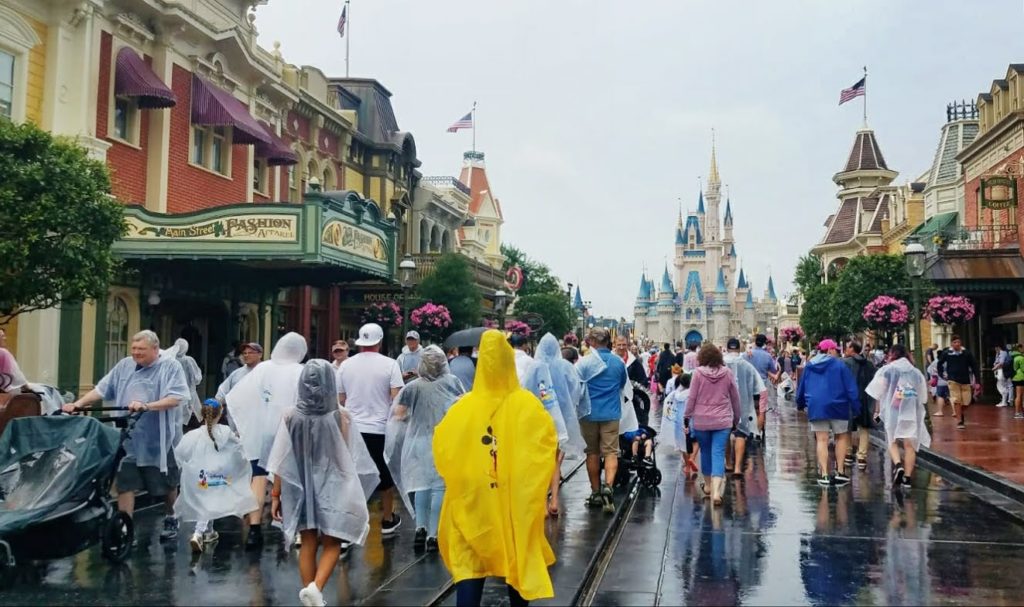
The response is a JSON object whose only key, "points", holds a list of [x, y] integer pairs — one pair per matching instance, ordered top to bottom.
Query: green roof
{"points": [[935, 225]]}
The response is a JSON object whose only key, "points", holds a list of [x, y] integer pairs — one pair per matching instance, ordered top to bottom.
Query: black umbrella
{"points": [[464, 338]]}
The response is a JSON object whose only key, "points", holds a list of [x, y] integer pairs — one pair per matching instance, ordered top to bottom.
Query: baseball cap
{"points": [[370, 334], [413, 335], [732, 344], [827, 344], [255, 347]]}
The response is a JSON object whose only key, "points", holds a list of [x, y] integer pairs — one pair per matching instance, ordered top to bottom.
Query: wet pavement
{"points": [[993, 440], [779, 539]]}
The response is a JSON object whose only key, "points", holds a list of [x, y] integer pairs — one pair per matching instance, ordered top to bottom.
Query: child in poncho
{"points": [[215, 476]]}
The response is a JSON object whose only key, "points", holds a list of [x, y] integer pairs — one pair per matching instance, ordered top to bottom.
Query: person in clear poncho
{"points": [[193, 377], [750, 386], [568, 387], [901, 391], [256, 405], [418, 408], [495, 450], [323, 475]]}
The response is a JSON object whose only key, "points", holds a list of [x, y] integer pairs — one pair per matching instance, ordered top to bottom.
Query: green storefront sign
{"points": [[998, 193]]}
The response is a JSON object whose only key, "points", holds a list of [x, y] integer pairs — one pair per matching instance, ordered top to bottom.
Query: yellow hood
{"points": [[495, 449]]}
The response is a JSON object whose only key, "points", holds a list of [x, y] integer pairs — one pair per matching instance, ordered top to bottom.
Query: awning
{"points": [[133, 78], [212, 106], [277, 152], [934, 225], [990, 266], [1013, 318]]}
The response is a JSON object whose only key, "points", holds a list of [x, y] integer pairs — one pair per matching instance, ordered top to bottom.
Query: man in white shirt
{"points": [[367, 385]]}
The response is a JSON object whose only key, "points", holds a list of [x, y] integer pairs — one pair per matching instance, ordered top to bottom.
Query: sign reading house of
{"points": [[246, 228], [357, 241]]}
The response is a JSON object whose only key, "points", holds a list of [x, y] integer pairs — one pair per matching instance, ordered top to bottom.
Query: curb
{"points": [[984, 478]]}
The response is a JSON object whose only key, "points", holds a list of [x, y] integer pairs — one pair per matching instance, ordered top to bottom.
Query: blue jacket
{"points": [[606, 389], [828, 390]]}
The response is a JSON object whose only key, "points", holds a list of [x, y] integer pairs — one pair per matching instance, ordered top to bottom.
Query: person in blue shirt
{"points": [[768, 368], [828, 391], [600, 427]]}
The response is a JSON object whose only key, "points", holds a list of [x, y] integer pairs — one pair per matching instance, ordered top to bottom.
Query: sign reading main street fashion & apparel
{"points": [[246, 228], [357, 241]]}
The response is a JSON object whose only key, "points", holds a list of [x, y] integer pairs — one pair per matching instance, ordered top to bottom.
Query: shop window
{"points": [[6, 85], [126, 122], [211, 148], [260, 175], [293, 184], [117, 331]]}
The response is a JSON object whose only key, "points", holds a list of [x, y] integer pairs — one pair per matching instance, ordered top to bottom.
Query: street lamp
{"points": [[313, 184], [914, 256], [406, 277], [500, 300]]}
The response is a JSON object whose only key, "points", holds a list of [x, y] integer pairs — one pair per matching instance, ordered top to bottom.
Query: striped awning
{"points": [[134, 78], [212, 106], [277, 152]]}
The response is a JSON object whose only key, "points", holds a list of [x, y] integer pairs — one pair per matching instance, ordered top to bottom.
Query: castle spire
{"points": [[713, 174], [700, 203], [728, 212], [742, 282], [720, 286], [771, 289]]}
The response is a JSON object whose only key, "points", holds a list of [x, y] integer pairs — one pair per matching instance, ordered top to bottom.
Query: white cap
{"points": [[370, 334], [413, 335]]}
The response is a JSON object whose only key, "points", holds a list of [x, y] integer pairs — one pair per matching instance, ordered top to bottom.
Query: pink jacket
{"points": [[714, 401]]}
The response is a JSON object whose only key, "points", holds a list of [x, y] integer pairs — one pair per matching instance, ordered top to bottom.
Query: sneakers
{"points": [[1001, 405], [937, 414], [1018, 416], [961, 425], [848, 460], [862, 463], [897, 475], [841, 479], [825, 480], [907, 482], [606, 499], [595, 501], [389, 528], [170, 530], [210, 537], [255, 539], [420, 539], [298, 540], [196, 542], [431, 544], [344, 547], [310, 596]]}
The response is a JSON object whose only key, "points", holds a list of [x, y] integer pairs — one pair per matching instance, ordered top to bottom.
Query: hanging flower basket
{"points": [[949, 309], [886, 313], [384, 314], [431, 320], [511, 326], [792, 334], [570, 339]]}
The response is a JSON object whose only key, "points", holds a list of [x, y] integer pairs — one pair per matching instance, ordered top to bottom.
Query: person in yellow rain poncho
{"points": [[495, 450]]}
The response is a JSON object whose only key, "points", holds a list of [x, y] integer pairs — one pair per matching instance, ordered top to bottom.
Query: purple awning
{"points": [[133, 78], [212, 106], [277, 152]]}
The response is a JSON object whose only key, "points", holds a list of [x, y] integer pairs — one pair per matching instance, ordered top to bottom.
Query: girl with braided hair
{"points": [[215, 476]]}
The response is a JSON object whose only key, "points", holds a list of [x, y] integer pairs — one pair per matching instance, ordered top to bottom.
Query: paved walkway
{"points": [[993, 440]]}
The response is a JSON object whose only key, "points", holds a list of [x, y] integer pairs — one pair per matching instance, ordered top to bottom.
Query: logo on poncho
{"points": [[492, 441], [212, 479]]}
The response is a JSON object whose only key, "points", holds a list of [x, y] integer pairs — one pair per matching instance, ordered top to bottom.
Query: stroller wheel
{"points": [[653, 477], [118, 535]]}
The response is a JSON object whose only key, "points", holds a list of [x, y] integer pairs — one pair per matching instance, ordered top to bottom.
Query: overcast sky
{"points": [[596, 117]]}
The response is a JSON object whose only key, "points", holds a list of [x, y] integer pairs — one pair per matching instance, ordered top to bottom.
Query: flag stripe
{"points": [[341, 21], [857, 90], [466, 122]]}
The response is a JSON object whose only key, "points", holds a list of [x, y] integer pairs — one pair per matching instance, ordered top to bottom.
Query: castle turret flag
{"points": [[857, 90]]}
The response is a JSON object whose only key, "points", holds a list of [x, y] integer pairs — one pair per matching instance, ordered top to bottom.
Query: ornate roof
{"points": [[865, 155], [474, 175], [700, 203], [728, 212], [692, 223], [844, 223], [679, 235], [666, 283], [741, 283], [720, 286], [645, 289], [771, 289], [693, 290], [750, 301], [577, 302]]}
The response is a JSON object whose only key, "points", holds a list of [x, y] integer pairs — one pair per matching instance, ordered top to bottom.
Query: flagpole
{"points": [[348, 34], [865, 95], [474, 128]]}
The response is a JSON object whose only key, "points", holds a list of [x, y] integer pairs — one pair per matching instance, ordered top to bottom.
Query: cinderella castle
{"points": [[683, 307]]}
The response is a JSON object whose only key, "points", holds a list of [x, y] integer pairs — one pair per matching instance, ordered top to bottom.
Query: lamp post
{"points": [[313, 183], [914, 255], [406, 277], [500, 299]]}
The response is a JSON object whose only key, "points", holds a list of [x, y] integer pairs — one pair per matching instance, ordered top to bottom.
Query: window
{"points": [[6, 85], [125, 120], [211, 148], [259, 175], [327, 183], [293, 184], [117, 331]]}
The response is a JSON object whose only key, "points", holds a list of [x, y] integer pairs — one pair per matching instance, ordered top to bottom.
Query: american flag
{"points": [[341, 21], [857, 90], [466, 122]]}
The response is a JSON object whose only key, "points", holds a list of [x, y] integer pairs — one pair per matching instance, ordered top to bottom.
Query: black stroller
{"points": [[55, 478]]}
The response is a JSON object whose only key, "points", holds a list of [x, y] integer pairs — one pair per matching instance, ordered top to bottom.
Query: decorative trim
{"points": [[130, 26]]}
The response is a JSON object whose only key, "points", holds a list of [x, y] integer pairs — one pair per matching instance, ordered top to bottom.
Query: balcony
{"points": [[443, 181], [976, 238], [486, 277]]}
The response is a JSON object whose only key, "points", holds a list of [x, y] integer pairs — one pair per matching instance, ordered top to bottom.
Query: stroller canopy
{"points": [[48, 461]]}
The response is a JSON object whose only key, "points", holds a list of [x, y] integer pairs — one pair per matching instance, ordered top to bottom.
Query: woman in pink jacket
{"points": [[713, 409]]}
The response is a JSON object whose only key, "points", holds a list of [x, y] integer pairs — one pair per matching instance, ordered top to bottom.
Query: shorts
{"points": [[1018, 383], [942, 391], [960, 394], [836, 426], [602, 438], [375, 445], [257, 470], [132, 477]]}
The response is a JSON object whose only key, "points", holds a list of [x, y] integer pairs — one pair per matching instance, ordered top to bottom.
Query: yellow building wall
{"points": [[36, 73], [354, 180], [375, 190]]}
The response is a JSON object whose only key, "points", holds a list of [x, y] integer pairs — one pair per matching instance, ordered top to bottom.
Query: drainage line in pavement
{"points": [[594, 574], [446, 590]]}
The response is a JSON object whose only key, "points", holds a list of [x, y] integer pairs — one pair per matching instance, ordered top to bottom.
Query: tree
{"points": [[57, 219], [808, 273], [537, 276], [864, 278], [451, 284], [552, 307], [818, 316]]}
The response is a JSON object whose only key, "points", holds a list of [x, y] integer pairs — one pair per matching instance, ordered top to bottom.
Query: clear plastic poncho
{"points": [[589, 367], [193, 377], [536, 377], [749, 384], [568, 387], [901, 392], [257, 403], [418, 408], [156, 432], [673, 432], [326, 472], [214, 479]]}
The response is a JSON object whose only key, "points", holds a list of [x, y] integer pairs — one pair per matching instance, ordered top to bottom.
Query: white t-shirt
{"points": [[366, 381]]}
